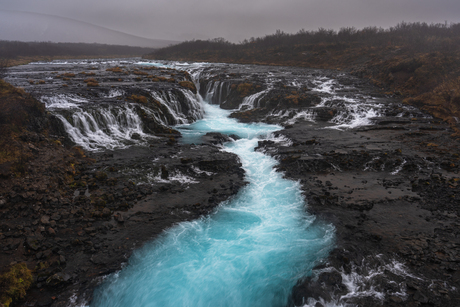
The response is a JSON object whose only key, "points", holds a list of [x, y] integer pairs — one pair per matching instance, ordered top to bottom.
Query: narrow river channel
{"points": [[250, 252]]}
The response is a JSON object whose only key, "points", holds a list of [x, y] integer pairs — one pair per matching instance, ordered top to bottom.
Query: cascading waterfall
{"points": [[211, 89], [215, 92], [252, 101], [196, 107], [354, 112], [180, 116], [103, 126], [111, 127], [251, 252]]}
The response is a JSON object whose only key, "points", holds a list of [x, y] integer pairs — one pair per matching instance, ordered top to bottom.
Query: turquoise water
{"points": [[217, 120], [250, 252]]}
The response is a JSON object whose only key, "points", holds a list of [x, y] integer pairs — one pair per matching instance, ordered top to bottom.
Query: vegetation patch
{"points": [[26, 52], [115, 69], [140, 73], [91, 82], [188, 84], [245, 89], [138, 98], [14, 284]]}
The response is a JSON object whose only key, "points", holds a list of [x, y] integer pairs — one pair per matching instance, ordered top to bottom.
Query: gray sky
{"points": [[238, 19]]}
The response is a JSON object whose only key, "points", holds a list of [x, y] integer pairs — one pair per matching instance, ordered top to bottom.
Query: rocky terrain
{"points": [[386, 175], [391, 190], [74, 216], [72, 233]]}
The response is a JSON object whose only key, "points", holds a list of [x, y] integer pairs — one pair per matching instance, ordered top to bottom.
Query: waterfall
{"points": [[252, 101], [103, 126], [109, 128]]}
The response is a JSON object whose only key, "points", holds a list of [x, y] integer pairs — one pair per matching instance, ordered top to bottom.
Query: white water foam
{"points": [[324, 85], [113, 93], [63, 101], [252, 101], [306, 115], [355, 115], [180, 116], [104, 128], [199, 172], [174, 177], [365, 281]]}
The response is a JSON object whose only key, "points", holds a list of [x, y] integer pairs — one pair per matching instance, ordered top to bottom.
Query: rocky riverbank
{"points": [[391, 190], [74, 216]]}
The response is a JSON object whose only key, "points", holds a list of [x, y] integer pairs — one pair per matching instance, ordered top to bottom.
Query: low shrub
{"points": [[91, 82], [189, 85], [138, 98], [14, 284]]}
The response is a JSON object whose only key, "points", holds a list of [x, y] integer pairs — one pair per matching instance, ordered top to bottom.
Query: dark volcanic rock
{"points": [[214, 138], [392, 197]]}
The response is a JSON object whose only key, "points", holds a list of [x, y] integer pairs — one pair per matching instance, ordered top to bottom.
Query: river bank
{"points": [[391, 191], [70, 231]]}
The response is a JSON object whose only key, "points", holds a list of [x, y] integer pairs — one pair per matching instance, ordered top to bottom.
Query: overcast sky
{"points": [[236, 20]]}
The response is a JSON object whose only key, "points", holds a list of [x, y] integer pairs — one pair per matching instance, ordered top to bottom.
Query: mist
{"points": [[238, 20]]}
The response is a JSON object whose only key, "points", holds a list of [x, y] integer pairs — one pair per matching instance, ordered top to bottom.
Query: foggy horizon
{"points": [[236, 21]]}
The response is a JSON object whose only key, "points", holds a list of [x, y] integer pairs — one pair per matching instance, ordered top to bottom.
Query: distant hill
{"points": [[28, 27], [18, 53]]}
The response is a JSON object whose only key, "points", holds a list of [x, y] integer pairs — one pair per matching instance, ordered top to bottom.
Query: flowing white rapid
{"points": [[112, 125], [109, 128], [250, 252]]}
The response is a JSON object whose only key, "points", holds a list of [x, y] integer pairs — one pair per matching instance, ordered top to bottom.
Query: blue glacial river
{"points": [[250, 252]]}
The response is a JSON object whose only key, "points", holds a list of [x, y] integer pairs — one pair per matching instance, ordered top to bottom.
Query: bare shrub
{"points": [[3, 68]]}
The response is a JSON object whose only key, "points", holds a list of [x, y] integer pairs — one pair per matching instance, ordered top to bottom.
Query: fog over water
{"points": [[239, 19]]}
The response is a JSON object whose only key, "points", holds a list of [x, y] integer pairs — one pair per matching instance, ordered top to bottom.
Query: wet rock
{"points": [[136, 136], [234, 136], [215, 138], [164, 172], [106, 212], [119, 218], [45, 220], [51, 231], [34, 242], [58, 279], [326, 286], [419, 297]]}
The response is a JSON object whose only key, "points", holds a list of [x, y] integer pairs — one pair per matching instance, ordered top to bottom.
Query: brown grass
{"points": [[115, 69], [140, 73], [91, 82], [188, 84], [244, 89], [138, 98]]}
